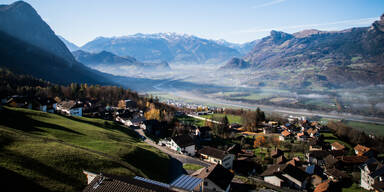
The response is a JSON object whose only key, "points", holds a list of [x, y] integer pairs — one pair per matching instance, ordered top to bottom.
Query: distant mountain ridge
{"points": [[71, 46], [170, 47], [242, 48], [351, 57], [105, 58]]}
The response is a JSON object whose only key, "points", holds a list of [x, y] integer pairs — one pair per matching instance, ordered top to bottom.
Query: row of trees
{"points": [[355, 136]]}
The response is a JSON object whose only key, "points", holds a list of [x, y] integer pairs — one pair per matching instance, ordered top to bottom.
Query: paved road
{"points": [[202, 118], [173, 154]]}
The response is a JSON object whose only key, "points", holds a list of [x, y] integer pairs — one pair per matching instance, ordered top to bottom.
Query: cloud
{"points": [[269, 3], [324, 26]]}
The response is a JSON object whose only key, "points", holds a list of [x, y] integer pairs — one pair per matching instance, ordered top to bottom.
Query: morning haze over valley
{"points": [[263, 95]]}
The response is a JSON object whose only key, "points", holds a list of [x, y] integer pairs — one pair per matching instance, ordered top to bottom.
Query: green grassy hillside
{"points": [[231, 118], [47, 152]]}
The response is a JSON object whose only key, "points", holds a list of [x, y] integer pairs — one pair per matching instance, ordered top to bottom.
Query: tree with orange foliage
{"points": [[152, 113], [260, 140]]}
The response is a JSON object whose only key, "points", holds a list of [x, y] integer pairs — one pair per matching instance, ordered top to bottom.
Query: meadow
{"points": [[48, 152]]}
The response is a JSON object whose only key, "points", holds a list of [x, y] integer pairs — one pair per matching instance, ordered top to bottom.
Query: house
{"points": [[19, 101], [127, 104], [45, 105], [70, 108], [124, 117], [124, 120], [138, 121], [152, 127], [267, 130], [313, 132], [203, 133], [285, 135], [302, 136], [183, 144], [337, 146], [315, 148], [362, 150], [237, 151], [217, 156], [317, 157], [295, 162], [332, 162], [351, 163], [245, 166], [372, 172], [316, 174], [285, 175], [336, 175], [216, 178], [111, 183], [378, 185], [325, 186]]}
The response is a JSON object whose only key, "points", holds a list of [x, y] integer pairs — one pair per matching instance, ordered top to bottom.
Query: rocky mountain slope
{"points": [[21, 21], [29, 46], [351, 57]]}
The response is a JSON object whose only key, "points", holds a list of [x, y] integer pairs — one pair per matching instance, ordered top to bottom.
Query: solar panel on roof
{"points": [[186, 182]]}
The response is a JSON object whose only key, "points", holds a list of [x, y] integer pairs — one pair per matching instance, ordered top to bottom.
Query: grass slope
{"points": [[231, 118], [47, 152]]}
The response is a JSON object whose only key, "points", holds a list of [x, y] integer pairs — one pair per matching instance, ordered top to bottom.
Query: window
{"points": [[227, 158]]}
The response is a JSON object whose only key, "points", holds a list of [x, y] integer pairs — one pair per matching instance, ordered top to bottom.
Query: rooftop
{"points": [[183, 140], [213, 152], [219, 175], [119, 184]]}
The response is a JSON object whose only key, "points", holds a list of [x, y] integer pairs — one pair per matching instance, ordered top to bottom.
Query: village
{"points": [[284, 154]]}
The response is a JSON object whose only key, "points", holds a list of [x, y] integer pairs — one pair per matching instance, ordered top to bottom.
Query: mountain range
{"points": [[170, 47], [351, 57]]}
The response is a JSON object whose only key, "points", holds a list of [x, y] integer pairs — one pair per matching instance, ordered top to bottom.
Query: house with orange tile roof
{"points": [[313, 132], [285, 135], [337, 146], [361, 150], [323, 187]]}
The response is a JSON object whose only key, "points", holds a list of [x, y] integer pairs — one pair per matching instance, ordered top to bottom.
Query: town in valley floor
{"points": [[199, 148]]}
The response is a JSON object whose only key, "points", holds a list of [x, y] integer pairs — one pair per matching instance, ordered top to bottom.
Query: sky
{"points": [[239, 21]]}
